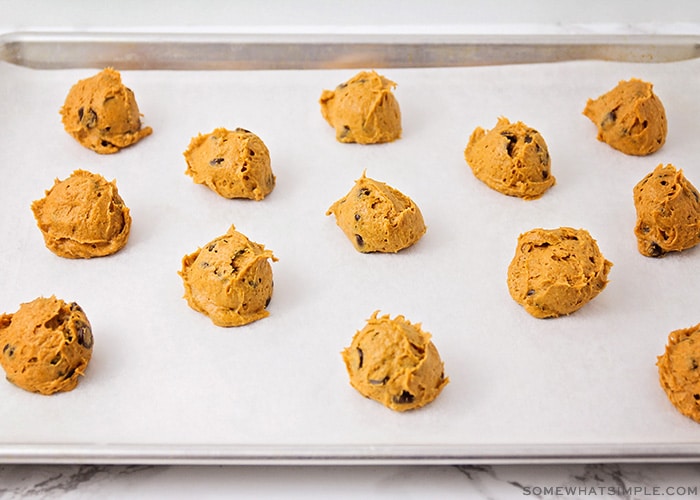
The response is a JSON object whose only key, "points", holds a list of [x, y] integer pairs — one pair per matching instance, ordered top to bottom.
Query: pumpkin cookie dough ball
{"points": [[363, 109], [102, 114], [630, 118], [511, 158], [234, 164], [668, 212], [83, 216], [377, 218], [556, 271], [229, 280], [46, 345], [395, 363], [678, 371]]}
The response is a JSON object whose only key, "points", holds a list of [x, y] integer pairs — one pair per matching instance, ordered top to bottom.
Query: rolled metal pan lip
{"points": [[221, 51]]}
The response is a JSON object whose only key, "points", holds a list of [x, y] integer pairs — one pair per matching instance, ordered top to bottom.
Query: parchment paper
{"points": [[164, 375]]}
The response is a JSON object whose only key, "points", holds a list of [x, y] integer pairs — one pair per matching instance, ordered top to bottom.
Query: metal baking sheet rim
{"points": [[147, 51], [188, 51], [345, 455]]}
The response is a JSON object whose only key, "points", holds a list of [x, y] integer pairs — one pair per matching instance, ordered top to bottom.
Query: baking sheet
{"points": [[166, 385]]}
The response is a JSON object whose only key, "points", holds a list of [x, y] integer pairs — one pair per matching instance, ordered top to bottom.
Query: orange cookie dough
{"points": [[363, 109], [102, 114], [630, 118], [511, 158], [234, 164], [668, 212], [83, 216], [377, 218], [556, 271], [229, 280], [46, 345], [395, 363], [679, 371]]}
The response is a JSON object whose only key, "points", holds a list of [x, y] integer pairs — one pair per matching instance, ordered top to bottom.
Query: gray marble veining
{"points": [[624, 481]]}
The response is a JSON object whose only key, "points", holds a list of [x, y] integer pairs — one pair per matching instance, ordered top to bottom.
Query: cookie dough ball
{"points": [[363, 109], [102, 114], [630, 118], [511, 158], [234, 164], [668, 212], [83, 216], [377, 218], [556, 271], [229, 280], [46, 345], [395, 363], [678, 371]]}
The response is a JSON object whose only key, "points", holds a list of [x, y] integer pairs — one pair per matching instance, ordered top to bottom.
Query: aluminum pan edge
{"points": [[191, 51], [341, 455]]}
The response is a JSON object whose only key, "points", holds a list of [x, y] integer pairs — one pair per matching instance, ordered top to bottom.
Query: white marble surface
{"points": [[458, 481]]}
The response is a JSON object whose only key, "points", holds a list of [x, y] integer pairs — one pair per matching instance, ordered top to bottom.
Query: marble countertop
{"points": [[626, 481], [629, 481]]}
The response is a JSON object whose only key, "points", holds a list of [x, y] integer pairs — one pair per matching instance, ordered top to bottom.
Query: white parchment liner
{"points": [[163, 374]]}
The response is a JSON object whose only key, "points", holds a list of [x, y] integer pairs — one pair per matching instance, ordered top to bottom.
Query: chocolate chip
{"points": [[609, 118], [88, 119], [242, 130], [528, 139], [512, 141], [251, 152], [215, 162], [364, 192], [357, 216], [359, 240], [655, 250], [530, 292], [267, 301], [84, 333], [8, 350], [360, 355], [56, 359], [380, 382], [696, 397], [404, 398]]}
